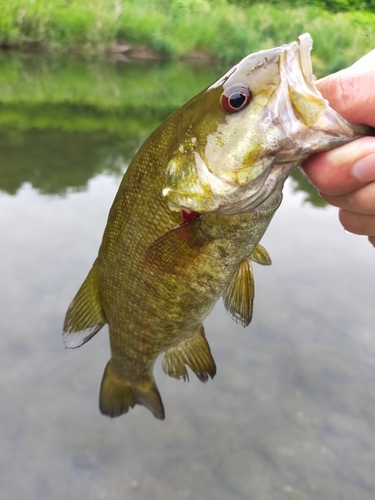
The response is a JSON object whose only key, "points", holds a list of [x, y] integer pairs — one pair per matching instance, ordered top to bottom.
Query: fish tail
{"points": [[117, 395]]}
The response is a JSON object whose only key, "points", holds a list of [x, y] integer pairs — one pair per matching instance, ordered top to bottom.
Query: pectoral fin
{"points": [[177, 249], [261, 256], [239, 296], [85, 316], [193, 352]]}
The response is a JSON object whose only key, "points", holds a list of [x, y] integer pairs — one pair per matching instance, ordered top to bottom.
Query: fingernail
{"points": [[364, 168]]}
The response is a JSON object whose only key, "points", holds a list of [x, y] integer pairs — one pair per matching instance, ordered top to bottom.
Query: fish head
{"points": [[248, 130]]}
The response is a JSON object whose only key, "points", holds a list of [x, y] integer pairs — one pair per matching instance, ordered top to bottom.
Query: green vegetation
{"points": [[176, 28]]}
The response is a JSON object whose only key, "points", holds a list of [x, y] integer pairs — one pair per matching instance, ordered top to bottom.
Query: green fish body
{"points": [[188, 217]]}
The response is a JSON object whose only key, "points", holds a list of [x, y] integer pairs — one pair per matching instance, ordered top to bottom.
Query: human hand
{"points": [[345, 176]]}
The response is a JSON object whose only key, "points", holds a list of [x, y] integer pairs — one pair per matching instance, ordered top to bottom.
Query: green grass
{"points": [[175, 28]]}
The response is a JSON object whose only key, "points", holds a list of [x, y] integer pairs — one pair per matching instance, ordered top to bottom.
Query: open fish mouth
{"points": [[243, 155]]}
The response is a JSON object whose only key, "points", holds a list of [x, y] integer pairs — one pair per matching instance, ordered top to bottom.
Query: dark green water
{"points": [[291, 412]]}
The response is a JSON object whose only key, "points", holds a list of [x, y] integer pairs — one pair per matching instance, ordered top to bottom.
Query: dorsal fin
{"points": [[239, 296], [85, 316], [194, 352]]}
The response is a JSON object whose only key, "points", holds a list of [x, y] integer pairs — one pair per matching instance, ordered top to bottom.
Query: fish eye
{"points": [[235, 99]]}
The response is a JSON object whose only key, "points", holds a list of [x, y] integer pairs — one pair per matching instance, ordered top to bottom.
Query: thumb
{"points": [[343, 169]]}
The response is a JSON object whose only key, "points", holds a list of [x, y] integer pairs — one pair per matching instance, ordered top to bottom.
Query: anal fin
{"points": [[238, 298], [85, 316], [194, 352], [117, 395]]}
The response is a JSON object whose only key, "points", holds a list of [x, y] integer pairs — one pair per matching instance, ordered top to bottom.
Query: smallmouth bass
{"points": [[186, 222]]}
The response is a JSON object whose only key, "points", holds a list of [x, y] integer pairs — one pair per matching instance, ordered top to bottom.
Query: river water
{"points": [[291, 411]]}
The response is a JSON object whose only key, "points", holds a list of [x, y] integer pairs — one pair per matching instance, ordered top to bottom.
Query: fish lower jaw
{"points": [[273, 184], [237, 199], [178, 202]]}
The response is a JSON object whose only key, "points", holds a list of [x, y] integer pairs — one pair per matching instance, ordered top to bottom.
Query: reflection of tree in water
{"points": [[54, 160]]}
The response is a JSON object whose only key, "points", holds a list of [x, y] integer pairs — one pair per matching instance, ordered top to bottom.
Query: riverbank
{"points": [[201, 30]]}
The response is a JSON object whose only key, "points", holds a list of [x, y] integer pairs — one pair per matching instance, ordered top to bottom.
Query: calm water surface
{"points": [[291, 411]]}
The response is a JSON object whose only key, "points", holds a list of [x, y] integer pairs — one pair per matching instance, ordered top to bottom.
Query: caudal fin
{"points": [[117, 395]]}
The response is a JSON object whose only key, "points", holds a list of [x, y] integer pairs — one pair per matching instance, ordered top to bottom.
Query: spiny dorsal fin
{"points": [[177, 249], [261, 256], [239, 296], [84, 317], [193, 352], [117, 395]]}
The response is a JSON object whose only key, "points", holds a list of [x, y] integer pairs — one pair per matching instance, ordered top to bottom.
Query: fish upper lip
{"points": [[305, 45]]}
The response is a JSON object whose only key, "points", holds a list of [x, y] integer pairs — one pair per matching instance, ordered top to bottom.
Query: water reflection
{"points": [[58, 161], [291, 412]]}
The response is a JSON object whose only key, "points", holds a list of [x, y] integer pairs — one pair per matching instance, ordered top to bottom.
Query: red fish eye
{"points": [[233, 100]]}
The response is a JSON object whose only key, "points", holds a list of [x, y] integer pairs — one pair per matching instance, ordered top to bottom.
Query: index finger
{"points": [[343, 169]]}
